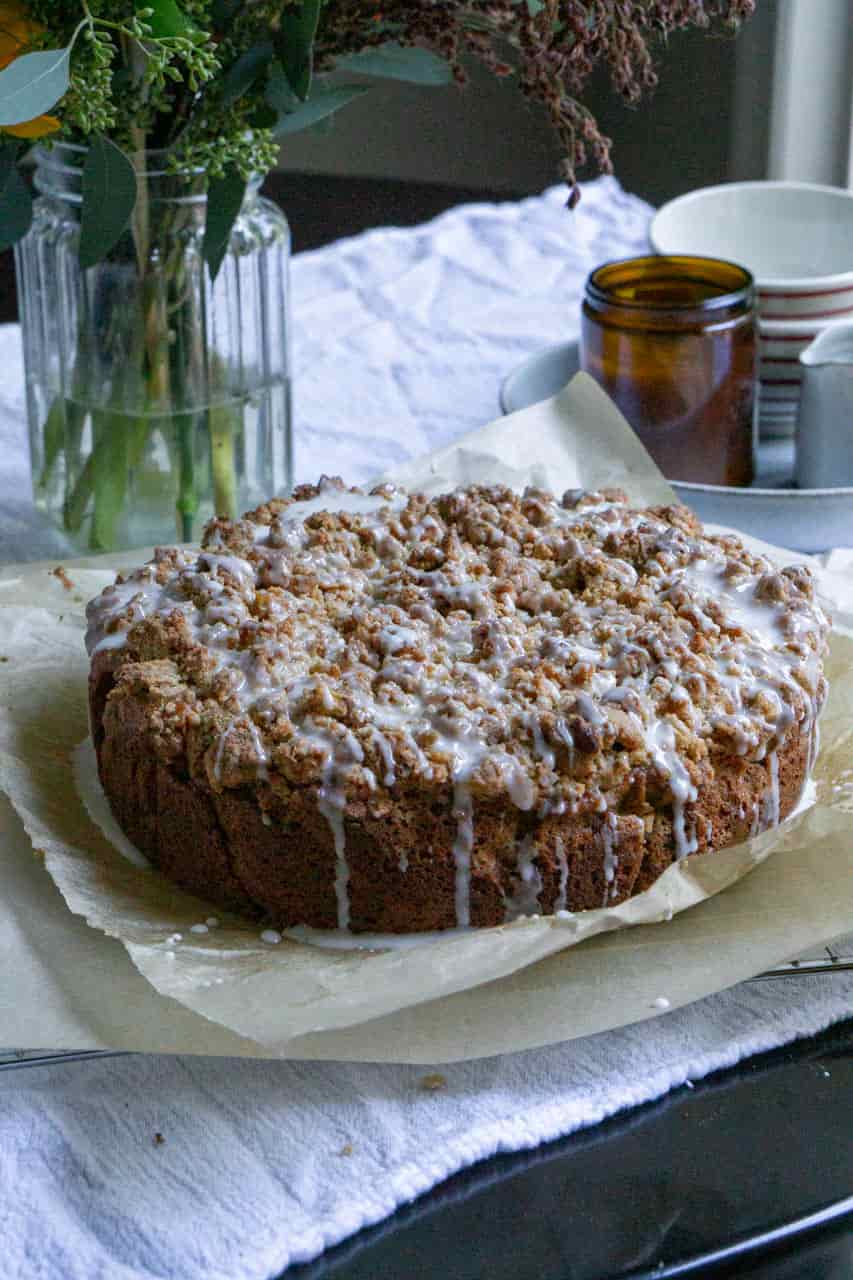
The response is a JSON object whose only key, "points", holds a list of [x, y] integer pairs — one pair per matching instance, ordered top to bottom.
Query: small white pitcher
{"points": [[825, 419]]}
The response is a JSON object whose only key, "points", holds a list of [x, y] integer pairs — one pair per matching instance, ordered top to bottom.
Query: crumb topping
{"points": [[570, 653]]}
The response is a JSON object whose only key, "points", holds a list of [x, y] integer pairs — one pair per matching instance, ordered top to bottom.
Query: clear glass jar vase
{"points": [[155, 397]]}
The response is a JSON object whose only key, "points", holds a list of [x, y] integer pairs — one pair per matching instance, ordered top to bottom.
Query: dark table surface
{"points": [[749, 1174]]}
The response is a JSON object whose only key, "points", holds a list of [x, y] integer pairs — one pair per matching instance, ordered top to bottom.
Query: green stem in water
{"points": [[222, 425], [53, 436], [118, 445], [109, 478], [187, 501], [74, 509]]}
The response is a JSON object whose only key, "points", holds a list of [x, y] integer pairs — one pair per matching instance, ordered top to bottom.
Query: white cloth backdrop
{"points": [[402, 338]]}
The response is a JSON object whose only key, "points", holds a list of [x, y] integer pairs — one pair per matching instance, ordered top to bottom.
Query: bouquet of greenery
{"points": [[219, 83], [213, 88]]}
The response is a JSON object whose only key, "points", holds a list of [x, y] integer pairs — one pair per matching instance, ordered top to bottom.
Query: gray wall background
{"points": [[706, 122]]}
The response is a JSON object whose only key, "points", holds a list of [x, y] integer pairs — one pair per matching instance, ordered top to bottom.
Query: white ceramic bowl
{"points": [[795, 237], [818, 304], [792, 330], [779, 345], [780, 373]]}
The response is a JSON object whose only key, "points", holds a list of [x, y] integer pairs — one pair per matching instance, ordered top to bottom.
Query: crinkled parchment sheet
{"points": [[463, 996]]}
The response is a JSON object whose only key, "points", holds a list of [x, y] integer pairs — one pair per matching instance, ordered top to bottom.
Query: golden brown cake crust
{"points": [[421, 713]]}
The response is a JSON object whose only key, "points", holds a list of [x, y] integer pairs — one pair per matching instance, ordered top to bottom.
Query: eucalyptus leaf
{"points": [[535, 7], [223, 13], [167, 19], [476, 22], [295, 44], [397, 62], [243, 73], [123, 81], [32, 84], [279, 93], [321, 104], [263, 116], [109, 196], [16, 201], [224, 201]]}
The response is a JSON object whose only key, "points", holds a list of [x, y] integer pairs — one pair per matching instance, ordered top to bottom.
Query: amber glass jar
{"points": [[673, 342]]}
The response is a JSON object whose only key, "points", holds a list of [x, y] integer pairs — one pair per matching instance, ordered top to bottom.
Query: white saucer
{"points": [[772, 509]]}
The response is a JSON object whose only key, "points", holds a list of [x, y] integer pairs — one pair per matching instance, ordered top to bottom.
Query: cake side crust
{"points": [[276, 861]]}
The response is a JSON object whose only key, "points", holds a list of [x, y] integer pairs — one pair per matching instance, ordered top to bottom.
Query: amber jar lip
{"points": [[736, 283]]}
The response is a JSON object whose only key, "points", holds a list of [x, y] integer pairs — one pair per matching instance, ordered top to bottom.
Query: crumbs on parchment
{"points": [[63, 577], [434, 1082]]}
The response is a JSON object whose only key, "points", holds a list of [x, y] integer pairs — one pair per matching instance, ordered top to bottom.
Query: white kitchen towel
{"points": [[401, 337], [262, 1164]]}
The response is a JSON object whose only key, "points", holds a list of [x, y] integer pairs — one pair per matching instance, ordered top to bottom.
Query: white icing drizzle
{"points": [[332, 498], [112, 640], [589, 710], [814, 744], [540, 747], [220, 751], [260, 751], [386, 752], [261, 756], [682, 788], [331, 801], [772, 819], [462, 848], [611, 861], [563, 867], [528, 882]]}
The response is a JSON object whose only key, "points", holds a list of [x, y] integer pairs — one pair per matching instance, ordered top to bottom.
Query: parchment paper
{"points": [[467, 995]]}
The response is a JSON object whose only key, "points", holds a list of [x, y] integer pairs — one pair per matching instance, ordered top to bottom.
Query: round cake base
{"points": [[272, 854]]}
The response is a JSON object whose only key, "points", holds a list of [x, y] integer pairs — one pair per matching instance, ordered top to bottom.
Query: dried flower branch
{"points": [[552, 45]]}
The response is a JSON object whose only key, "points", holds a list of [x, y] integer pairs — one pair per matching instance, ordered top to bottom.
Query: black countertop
{"points": [[749, 1174]]}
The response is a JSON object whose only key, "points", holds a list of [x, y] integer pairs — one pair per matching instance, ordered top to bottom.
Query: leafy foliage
{"points": [[167, 20], [294, 43], [395, 62], [218, 83], [32, 84], [322, 104], [109, 195], [224, 200], [16, 203]]}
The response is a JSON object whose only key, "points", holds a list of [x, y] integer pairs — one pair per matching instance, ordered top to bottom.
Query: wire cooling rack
{"points": [[835, 958]]}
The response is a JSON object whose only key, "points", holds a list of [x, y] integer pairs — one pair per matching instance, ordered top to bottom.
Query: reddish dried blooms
{"points": [[554, 49]]}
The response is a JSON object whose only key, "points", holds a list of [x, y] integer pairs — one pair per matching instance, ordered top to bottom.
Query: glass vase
{"points": [[156, 398]]}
